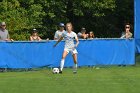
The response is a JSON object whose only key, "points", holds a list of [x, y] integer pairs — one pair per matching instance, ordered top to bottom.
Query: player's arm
{"points": [[58, 41], [77, 41]]}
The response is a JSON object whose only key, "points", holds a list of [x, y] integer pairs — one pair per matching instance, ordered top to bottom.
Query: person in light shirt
{"points": [[59, 32], [4, 34]]}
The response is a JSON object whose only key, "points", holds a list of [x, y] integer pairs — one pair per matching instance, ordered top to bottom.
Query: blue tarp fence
{"points": [[137, 19], [137, 25], [91, 52]]}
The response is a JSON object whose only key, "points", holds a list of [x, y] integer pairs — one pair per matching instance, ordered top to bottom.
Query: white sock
{"points": [[62, 64], [75, 67]]}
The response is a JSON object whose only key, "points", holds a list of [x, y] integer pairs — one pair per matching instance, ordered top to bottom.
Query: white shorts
{"points": [[73, 51]]}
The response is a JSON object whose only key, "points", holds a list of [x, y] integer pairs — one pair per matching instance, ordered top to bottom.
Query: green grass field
{"points": [[111, 79]]}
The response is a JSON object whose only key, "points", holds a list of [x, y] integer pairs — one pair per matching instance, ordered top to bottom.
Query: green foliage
{"points": [[105, 17], [19, 18]]}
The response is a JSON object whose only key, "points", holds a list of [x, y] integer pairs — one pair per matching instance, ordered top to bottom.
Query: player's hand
{"points": [[54, 45], [75, 46]]}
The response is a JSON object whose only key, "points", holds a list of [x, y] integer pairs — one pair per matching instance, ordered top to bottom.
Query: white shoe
{"points": [[74, 72]]}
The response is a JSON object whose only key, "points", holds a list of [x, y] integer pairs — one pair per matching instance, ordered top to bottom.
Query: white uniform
{"points": [[58, 34], [69, 41]]}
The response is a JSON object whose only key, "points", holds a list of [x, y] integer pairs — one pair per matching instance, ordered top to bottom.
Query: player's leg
{"points": [[63, 60], [75, 60]]}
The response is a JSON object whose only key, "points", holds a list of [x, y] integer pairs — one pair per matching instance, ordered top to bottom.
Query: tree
{"points": [[87, 13], [105, 18], [19, 19]]}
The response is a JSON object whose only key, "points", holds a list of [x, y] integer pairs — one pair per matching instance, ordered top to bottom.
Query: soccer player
{"points": [[69, 37]]}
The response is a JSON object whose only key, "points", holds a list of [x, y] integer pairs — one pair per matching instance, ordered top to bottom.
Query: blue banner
{"points": [[137, 19], [137, 25], [90, 52]]}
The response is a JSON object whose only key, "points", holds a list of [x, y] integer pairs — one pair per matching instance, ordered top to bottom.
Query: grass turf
{"points": [[88, 80]]}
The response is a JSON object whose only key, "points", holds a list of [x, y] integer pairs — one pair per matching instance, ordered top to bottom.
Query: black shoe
{"points": [[124, 65], [2, 69], [60, 72]]}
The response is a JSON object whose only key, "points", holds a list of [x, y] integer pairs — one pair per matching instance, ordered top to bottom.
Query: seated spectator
{"points": [[59, 32], [127, 33], [4, 34], [82, 34], [91, 35], [34, 36]]}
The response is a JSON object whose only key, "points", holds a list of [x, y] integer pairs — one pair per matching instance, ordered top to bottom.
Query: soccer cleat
{"points": [[60, 72], [74, 72]]}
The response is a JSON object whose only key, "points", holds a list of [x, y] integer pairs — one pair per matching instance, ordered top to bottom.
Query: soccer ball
{"points": [[55, 71]]}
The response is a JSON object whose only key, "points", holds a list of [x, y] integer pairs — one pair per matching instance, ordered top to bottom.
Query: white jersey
{"points": [[58, 34], [69, 39]]}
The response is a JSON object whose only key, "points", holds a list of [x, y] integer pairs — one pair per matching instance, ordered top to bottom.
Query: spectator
{"points": [[59, 32], [127, 33], [4, 34], [82, 34], [91, 35], [34, 36]]}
